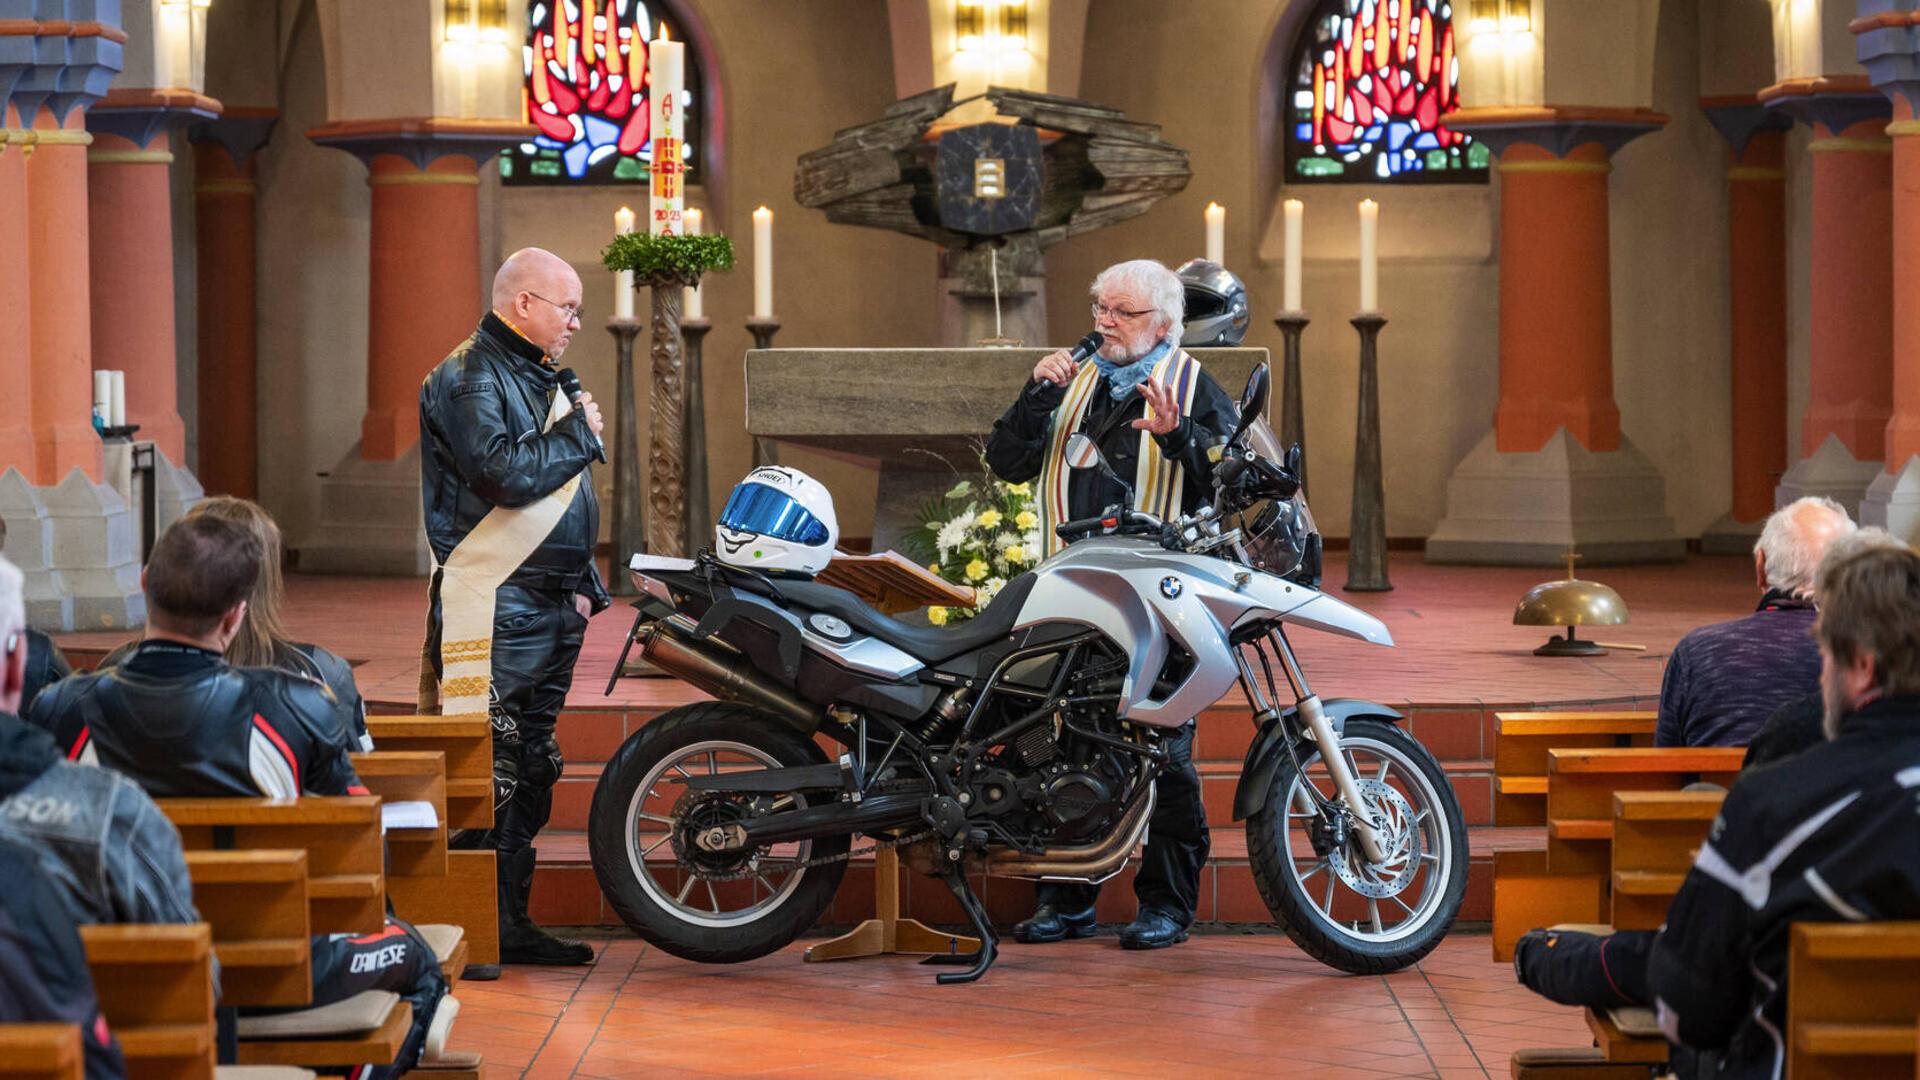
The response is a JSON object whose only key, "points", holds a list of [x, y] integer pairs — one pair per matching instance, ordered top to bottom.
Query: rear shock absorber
{"points": [[949, 709]]}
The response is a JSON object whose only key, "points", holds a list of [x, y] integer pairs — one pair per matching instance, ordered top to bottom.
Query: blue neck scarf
{"points": [[1122, 378]]}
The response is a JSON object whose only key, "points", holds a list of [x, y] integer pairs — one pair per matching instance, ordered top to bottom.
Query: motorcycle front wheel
{"points": [[711, 907], [1343, 910]]}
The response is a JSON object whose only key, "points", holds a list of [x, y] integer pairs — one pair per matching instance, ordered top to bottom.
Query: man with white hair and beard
{"points": [[1154, 414], [512, 520], [1723, 681]]}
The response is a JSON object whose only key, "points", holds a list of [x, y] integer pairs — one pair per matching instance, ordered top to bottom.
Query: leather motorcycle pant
{"points": [[536, 640], [1168, 876], [396, 958]]}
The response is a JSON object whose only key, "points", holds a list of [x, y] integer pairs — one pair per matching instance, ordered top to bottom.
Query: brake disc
{"points": [[1392, 817]]}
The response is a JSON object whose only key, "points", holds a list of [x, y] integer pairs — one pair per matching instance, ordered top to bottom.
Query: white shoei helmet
{"points": [[778, 519]]}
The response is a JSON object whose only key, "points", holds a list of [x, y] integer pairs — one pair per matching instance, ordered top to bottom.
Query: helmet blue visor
{"points": [[767, 511]]}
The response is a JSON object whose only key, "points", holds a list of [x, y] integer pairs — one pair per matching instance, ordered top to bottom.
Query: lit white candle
{"points": [[666, 74], [1295, 213], [1216, 233], [1369, 255], [763, 263], [623, 279], [691, 301], [103, 395], [118, 416]]}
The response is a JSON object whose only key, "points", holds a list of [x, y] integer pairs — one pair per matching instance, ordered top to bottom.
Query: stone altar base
{"points": [[1831, 471], [1893, 502], [1529, 509], [370, 519], [79, 546]]}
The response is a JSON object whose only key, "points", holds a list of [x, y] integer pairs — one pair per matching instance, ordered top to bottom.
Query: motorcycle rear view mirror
{"points": [[1252, 400], [1083, 454]]}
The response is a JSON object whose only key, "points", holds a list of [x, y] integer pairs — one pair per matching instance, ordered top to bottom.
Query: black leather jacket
{"points": [[1019, 441], [481, 446], [182, 722]]}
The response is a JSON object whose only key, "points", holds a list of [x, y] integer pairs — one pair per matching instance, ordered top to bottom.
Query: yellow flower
{"points": [[1020, 489], [988, 519], [1025, 519], [1015, 553], [933, 568], [977, 570], [937, 616]]}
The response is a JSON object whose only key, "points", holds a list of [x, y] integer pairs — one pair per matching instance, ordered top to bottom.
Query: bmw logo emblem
{"points": [[1170, 587]]}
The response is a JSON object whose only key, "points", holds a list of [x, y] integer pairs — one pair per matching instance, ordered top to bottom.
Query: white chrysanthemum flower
{"points": [[953, 533]]}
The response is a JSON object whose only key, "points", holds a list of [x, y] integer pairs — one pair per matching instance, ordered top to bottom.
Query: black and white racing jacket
{"points": [[1829, 835]]}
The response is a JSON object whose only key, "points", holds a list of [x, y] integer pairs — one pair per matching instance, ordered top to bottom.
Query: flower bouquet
{"points": [[980, 533]]}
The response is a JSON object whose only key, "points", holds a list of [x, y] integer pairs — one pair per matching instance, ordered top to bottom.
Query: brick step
{"points": [[1452, 733], [1472, 784], [567, 894]]}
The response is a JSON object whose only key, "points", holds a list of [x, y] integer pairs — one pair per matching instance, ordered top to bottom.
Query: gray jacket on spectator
{"points": [[101, 840]]}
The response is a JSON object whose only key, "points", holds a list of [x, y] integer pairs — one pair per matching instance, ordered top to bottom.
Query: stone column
{"points": [[1889, 46], [224, 202], [130, 223], [426, 297], [60, 299], [1757, 314], [16, 329], [1850, 347], [1555, 471]]}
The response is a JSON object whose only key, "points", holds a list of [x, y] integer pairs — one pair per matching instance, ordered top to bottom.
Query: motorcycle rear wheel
{"points": [[649, 877], [1331, 901]]}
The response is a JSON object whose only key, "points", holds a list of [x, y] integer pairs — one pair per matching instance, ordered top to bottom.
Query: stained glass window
{"points": [[1372, 82], [585, 88]]}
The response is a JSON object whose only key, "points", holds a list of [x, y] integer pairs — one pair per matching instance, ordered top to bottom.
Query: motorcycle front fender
{"points": [[1270, 748]]}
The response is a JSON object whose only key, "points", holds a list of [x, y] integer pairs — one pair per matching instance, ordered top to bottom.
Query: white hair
{"points": [[1152, 280], [1865, 538], [1795, 539], [13, 609]]}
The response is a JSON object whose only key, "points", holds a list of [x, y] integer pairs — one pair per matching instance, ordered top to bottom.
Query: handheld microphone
{"points": [[1087, 347], [570, 386]]}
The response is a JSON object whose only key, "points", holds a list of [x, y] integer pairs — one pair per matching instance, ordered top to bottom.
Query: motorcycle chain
{"points": [[824, 860]]}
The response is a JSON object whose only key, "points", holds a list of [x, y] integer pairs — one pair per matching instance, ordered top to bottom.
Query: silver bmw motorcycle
{"points": [[1025, 742]]}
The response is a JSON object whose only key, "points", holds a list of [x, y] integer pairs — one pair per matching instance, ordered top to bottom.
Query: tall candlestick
{"points": [[666, 74], [1295, 212], [1216, 216], [1369, 255], [763, 263], [623, 279], [691, 301]]}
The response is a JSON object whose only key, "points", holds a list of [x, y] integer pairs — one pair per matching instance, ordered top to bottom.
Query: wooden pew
{"points": [[1521, 742], [1656, 835], [419, 866], [346, 877], [1570, 881], [468, 896], [256, 904], [155, 986], [1853, 993], [40, 1052]]}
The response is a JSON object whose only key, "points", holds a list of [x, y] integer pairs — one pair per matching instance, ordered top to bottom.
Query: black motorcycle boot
{"points": [[1051, 922], [1152, 929], [521, 942]]}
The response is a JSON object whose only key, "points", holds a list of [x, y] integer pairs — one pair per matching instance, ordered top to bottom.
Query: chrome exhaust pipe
{"points": [[720, 670], [1089, 863]]}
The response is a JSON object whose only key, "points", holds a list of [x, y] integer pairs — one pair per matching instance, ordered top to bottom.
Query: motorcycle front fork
{"points": [[1314, 719]]}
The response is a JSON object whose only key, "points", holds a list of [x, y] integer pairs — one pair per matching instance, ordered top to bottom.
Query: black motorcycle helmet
{"points": [[1216, 304]]}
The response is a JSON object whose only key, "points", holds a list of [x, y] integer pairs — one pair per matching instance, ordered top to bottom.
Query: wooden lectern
{"points": [[892, 583]]}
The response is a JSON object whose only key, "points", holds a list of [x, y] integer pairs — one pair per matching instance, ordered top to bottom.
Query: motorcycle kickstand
{"points": [[981, 959]]}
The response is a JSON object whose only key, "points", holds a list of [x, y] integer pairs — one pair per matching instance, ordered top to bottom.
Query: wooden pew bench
{"points": [[1521, 742], [1656, 835], [346, 876], [1570, 882], [467, 895], [256, 904], [155, 987], [1853, 995], [40, 1052]]}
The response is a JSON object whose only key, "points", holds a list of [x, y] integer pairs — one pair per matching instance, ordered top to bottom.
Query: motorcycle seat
{"points": [[927, 644]]}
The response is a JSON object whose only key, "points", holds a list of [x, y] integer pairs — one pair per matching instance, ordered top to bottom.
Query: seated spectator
{"points": [[262, 642], [46, 664], [1724, 680], [181, 721], [1823, 836], [44, 977]]}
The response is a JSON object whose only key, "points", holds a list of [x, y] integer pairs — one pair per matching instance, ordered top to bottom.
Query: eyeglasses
{"points": [[572, 310], [1101, 311]]}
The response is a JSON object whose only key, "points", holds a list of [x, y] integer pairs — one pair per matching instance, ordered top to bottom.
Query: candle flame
{"points": [[663, 33], [1211, 206]]}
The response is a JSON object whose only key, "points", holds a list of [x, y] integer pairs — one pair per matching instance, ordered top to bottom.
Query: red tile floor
{"points": [[1223, 1004]]}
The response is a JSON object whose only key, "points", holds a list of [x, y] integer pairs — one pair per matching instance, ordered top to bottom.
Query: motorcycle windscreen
{"points": [[767, 511]]}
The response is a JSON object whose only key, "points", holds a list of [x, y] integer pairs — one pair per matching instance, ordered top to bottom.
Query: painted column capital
{"points": [[1887, 40], [58, 64], [1834, 102], [137, 115], [1739, 117], [1557, 129], [241, 130], [422, 140]]}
